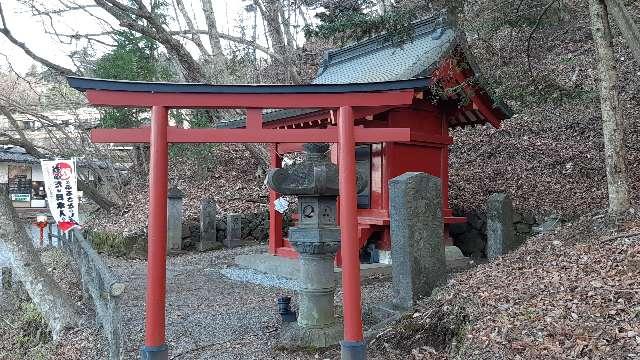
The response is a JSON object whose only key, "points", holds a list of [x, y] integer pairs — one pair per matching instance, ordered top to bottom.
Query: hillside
{"points": [[550, 155], [569, 295]]}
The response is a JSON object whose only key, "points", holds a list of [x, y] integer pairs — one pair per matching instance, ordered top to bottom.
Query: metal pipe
{"points": [[155, 346], [353, 346]]}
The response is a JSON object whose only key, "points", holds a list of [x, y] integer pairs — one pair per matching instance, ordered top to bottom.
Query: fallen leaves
{"points": [[553, 298]]}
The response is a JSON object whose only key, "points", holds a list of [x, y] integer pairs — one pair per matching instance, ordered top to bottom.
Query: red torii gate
{"points": [[351, 100]]}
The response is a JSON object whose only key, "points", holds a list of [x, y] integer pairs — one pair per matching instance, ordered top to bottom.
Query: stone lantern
{"points": [[317, 239]]}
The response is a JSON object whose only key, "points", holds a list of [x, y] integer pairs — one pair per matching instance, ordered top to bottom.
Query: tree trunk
{"points": [[271, 16], [627, 26], [612, 123], [95, 196], [54, 305]]}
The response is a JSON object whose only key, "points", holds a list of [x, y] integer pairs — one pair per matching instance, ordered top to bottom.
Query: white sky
{"points": [[31, 29]]}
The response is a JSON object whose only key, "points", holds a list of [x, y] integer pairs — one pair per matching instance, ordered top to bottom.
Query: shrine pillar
{"points": [[353, 346], [155, 347]]}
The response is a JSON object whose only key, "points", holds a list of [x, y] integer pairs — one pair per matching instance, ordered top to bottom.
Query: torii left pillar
{"points": [[155, 347]]}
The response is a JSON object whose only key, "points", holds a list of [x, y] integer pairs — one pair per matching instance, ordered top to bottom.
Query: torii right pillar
{"points": [[353, 346]]}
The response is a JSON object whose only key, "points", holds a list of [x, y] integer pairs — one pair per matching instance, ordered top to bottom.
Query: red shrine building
{"points": [[452, 97]]}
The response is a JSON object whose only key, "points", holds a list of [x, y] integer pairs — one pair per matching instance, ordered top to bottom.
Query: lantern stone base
{"points": [[293, 336]]}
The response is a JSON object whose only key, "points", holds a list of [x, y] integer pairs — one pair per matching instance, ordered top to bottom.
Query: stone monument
{"points": [[174, 220], [207, 225], [499, 225], [234, 231], [317, 239], [417, 249], [7, 281]]}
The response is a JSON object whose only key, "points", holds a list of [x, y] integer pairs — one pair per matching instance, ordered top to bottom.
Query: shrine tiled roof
{"points": [[383, 58]]}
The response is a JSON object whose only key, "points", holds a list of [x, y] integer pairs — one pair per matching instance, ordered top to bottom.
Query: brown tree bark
{"points": [[271, 10], [612, 122], [55, 306]]}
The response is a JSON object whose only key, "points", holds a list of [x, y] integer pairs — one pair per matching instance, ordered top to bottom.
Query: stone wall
{"points": [[255, 227], [471, 237], [100, 285]]}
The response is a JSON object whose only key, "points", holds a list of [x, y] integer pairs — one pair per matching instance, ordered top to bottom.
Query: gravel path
{"points": [[215, 310]]}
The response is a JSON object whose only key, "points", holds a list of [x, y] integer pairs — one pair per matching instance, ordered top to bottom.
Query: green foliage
{"points": [[354, 20], [135, 57], [112, 244], [33, 327]]}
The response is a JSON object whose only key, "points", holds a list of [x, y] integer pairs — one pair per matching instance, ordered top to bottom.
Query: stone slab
{"points": [[174, 220], [207, 225], [499, 225], [234, 231], [417, 249], [290, 268], [7, 281]]}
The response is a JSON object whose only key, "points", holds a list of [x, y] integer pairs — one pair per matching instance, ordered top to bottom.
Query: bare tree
{"points": [[612, 122], [54, 305]]}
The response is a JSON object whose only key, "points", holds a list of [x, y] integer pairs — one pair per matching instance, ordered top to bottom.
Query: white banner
{"points": [[61, 185]]}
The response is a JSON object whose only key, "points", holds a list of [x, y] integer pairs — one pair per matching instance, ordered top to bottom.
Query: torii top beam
{"points": [[188, 95], [364, 96]]}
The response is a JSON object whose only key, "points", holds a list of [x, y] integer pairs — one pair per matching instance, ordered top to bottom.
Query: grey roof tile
{"points": [[381, 59]]}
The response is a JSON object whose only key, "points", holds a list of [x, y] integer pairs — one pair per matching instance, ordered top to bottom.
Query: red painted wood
{"points": [[235, 101], [254, 119], [176, 135], [418, 136], [289, 148], [376, 176], [275, 218], [454, 219], [157, 234], [349, 244]]}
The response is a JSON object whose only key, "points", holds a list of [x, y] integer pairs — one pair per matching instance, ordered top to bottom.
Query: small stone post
{"points": [[174, 220], [207, 225], [499, 225], [234, 231], [316, 238], [417, 248], [7, 281]]}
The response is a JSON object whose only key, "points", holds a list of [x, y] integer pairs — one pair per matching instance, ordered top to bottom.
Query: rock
{"points": [[517, 217], [529, 219], [475, 221], [548, 225], [458, 228], [523, 228], [471, 243], [452, 253]]}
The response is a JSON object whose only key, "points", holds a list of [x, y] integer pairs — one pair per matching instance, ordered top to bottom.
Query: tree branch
{"points": [[7, 33]]}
